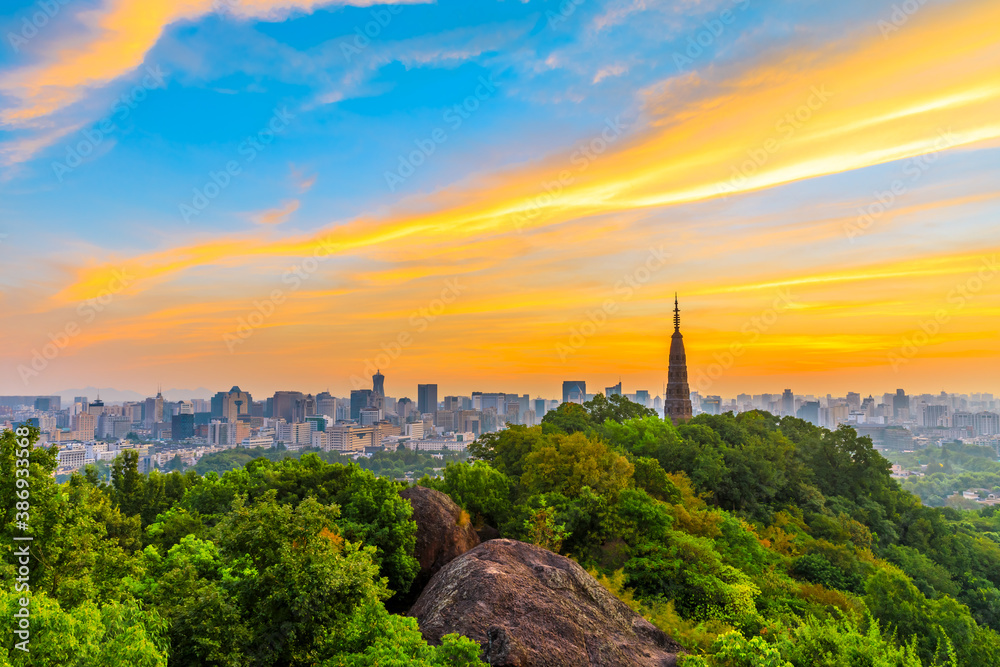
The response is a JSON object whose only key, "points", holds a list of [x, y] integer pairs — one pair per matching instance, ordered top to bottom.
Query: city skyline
{"points": [[275, 193]]}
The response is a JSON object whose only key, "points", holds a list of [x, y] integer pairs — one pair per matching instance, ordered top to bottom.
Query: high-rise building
{"points": [[378, 390], [616, 390], [574, 391], [642, 397], [360, 398], [427, 398], [900, 402], [452, 403], [677, 403], [787, 403], [285, 404], [326, 404], [229, 405], [539, 407], [809, 412], [153, 414], [935, 415], [986, 423], [84, 425], [182, 426]]}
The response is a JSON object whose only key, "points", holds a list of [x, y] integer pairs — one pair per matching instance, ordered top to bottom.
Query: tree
{"points": [[616, 408]]}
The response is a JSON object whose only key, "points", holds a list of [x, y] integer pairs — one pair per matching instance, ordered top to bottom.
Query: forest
{"points": [[754, 541]]}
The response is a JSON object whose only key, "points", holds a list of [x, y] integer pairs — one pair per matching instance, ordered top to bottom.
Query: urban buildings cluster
{"points": [[367, 420]]}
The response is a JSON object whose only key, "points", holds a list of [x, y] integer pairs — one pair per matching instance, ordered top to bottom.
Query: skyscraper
{"points": [[615, 390], [378, 391], [574, 391], [360, 398], [427, 398], [677, 403], [787, 403]]}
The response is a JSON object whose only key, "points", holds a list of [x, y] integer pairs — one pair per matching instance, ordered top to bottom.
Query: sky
{"points": [[499, 195]]}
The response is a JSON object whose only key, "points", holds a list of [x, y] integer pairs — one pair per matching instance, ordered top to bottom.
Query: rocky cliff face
{"points": [[443, 533], [529, 607]]}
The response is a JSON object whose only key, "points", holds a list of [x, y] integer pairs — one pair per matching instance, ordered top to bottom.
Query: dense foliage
{"points": [[395, 464], [951, 470], [753, 540], [274, 564]]}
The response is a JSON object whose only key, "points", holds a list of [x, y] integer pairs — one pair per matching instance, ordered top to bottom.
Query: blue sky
{"points": [[203, 86]]}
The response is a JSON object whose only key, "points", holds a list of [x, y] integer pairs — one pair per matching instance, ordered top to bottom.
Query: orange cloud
{"points": [[276, 216]]}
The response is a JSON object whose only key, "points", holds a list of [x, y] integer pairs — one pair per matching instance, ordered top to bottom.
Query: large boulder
{"points": [[444, 531], [529, 607]]}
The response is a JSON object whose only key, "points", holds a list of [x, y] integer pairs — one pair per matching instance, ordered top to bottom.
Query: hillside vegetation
{"points": [[753, 541]]}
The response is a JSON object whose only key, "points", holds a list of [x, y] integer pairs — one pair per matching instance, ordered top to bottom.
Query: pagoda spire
{"points": [[677, 314]]}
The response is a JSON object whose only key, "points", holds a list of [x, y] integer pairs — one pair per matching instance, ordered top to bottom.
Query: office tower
{"points": [[378, 390], [616, 390], [574, 391], [641, 397], [360, 398], [427, 398], [854, 400], [900, 402], [48, 403], [452, 403], [677, 403], [787, 403], [284, 404], [326, 404], [229, 405], [711, 405], [305, 406], [404, 407], [96, 408], [185, 408], [539, 408], [809, 412], [153, 413], [513, 414], [935, 415], [986, 423], [84, 425], [182, 426]]}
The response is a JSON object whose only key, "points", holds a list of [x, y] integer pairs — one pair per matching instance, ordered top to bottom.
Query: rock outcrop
{"points": [[444, 532], [529, 607]]}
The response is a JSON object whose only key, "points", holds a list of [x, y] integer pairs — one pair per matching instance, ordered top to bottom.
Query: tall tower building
{"points": [[378, 391], [427, 398], [677, 403]]}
